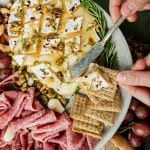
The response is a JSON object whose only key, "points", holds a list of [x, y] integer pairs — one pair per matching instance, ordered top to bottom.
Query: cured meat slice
{"points": [[10, 79], [11, 95], [32, 103], [4, 104], [26, 113], [18, 114], [9, 115], [48, 117], [23, 122], [61, 125], [44, 136], [23, 139], [74, 140], [30, 141], [62, 141], [91, 142], [16, 144], [38, 145], [48, 146]]}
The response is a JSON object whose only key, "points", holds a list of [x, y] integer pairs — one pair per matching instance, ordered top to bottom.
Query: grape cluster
{"points": [[136, 125]]}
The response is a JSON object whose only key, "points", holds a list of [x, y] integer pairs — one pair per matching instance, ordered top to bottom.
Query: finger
{"points": [[132, 6], [145, 7], [114, 8], [132, 18], [147, 59], [139, 65], [134, 78], [141, 93]]}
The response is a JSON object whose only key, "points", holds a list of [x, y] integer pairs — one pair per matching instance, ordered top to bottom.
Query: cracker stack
{"points": [[96, 109], [81, 123]]}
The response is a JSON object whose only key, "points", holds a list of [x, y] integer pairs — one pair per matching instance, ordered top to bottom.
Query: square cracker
{"points": [[110, 76], [101, 104], [78, 107], [108, 118], [88, 127], [97, 136]]}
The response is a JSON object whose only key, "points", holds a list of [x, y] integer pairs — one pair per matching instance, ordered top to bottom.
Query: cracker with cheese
{"points": [[99, 81]]}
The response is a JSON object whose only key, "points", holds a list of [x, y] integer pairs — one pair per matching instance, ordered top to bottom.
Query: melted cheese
{"points": [[31, 2], [72, 4], [32, 14], [73, 25], [47, 27], [30, 29], [75, 32], [13, 42], [72, 45], [50, 46], [19, 59], [30, 60], [41, 71], [94, 81]]}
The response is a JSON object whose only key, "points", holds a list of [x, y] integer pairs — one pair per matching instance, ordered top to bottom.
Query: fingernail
{"points": [[121, 77]]}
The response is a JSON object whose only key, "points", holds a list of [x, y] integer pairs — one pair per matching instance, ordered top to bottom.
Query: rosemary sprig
{"points": [[109, 56]]}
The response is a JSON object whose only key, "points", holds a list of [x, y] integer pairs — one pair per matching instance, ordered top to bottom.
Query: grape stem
{"points": [[125, 129]]}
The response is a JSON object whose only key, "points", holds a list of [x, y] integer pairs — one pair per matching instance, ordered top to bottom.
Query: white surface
{"points": [[4, 2], [125, 62]]}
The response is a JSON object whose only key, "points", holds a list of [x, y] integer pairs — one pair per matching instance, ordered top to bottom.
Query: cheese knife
{"points": [[80, 67]]}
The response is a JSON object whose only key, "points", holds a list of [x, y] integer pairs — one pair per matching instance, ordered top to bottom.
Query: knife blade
{"points": [[79, 68]]}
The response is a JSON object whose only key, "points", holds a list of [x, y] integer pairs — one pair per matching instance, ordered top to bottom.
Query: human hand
{"points": [[127, 8], [137, 81]]}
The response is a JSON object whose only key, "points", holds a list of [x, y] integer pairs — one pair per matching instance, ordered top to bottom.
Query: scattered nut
{"points": [[9, 5], [4, 11], [5, 18], [2, 29], [5, 37], [4, 48], [56, 105]]}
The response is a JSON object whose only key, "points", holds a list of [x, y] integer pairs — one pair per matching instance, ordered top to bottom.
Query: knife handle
{"points": [[110, 32]]}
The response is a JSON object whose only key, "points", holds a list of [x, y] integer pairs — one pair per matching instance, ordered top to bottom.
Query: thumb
{"points": [[132, 6], [134, 78]]}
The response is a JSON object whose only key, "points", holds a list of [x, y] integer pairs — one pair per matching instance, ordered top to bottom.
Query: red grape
{"points": [[5, 61], [134, 104], [141, 112], [128, 117], [141, 129], [134, 140]]}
